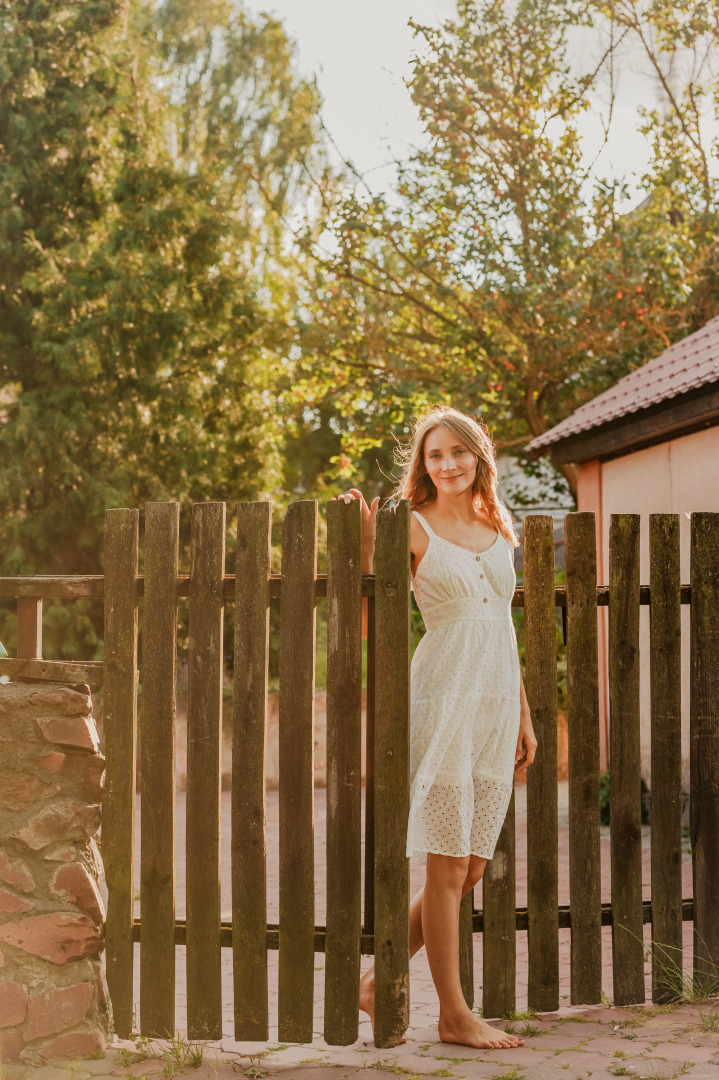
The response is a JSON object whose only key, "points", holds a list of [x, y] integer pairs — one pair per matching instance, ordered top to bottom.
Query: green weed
{"points": [[709, 1022], [529, 1031], [514, 1074]]}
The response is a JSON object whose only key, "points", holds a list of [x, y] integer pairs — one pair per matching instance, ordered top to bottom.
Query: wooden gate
{"points": [[376, 921]]}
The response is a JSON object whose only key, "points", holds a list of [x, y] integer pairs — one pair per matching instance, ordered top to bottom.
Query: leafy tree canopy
{"points": [[506, 275]]}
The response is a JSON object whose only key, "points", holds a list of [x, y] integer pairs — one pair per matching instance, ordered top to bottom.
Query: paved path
{"points": [[652, 1044]]}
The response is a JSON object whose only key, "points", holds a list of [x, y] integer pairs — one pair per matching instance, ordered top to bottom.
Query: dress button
{"points": [[477, 557], [481, 575], [485, 599]]}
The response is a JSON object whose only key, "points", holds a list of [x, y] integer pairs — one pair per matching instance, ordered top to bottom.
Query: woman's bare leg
{"points": [[475, 870], [446, 877]]}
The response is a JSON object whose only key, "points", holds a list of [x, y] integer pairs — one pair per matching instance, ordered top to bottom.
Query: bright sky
{"points": [[360, 54]]}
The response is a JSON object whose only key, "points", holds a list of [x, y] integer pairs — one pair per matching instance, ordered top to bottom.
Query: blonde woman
{"points": [[470, 725]]}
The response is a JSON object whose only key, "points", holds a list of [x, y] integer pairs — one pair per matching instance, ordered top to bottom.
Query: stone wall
{"points": [[53, 996]]}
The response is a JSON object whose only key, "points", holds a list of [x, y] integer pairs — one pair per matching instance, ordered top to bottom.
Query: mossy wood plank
{"points": [[540, 658], [665, 664], [583, 723], [204, 732], [120, 734], [704, 742], [249, 745], [157, 751], [296, 767], [344, 772], [391, 774], [625, 795], [368, 912], [499, 943]]}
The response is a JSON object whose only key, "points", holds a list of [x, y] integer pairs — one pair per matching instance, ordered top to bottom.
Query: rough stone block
{"points": [[66, 700], [70, 731], [53, 761], [18, 791], [64, 820], [60, 853], [16, 873], [73, 883], [12, 904], [58, 936], [13, 1004], [64, 1008], [76, 1044], [10, 1046]]}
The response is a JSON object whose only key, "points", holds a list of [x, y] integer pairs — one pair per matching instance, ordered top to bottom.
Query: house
{"points": [[648, 445]]}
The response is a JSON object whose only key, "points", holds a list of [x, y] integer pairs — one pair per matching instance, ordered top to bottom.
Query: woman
{"points": [[470, 725]]}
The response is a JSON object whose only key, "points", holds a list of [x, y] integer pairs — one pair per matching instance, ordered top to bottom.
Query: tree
{"points": [[509, 279], [144, 286]]}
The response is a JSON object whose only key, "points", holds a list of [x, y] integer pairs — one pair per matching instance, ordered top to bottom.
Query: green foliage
{"points": [[505, 275], [144, 284]]}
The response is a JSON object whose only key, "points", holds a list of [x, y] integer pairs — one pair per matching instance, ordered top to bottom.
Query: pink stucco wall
{"points": [[676, 477]]}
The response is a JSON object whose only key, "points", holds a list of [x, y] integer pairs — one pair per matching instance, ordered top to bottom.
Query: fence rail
{"points": [[376, 922]]}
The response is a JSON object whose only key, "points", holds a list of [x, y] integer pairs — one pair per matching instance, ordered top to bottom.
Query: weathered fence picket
{"points": [[540, 658], [665, 664], [296, 721], [583, 722], [120, 728], [204, 737], [704, 742], [249, 746], [157, 749], [626, 764], [344, 772], [391, 775], [499, 936]]}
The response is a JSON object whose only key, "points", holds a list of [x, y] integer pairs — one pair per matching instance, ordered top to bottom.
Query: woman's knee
{"points": [[447, 871], [475, 871]]}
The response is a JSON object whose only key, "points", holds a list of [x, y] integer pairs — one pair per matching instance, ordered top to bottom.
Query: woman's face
{"points": [[451, 465]]}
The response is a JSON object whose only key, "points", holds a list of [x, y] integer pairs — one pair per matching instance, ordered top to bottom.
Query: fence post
{"points": [[540, 658], [665, 660], [583, 723], [120, 734], [204, 734], [704, 741], [249, 747], [157, 751], [625, 760], [344, 772], [391, 774], [296, 808], [499, 927]]}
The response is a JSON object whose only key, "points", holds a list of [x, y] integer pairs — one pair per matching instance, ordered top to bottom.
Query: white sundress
{"points": [[464, 699]]}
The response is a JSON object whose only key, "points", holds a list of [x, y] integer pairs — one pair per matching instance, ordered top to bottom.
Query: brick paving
{"points": [[571, 1044]]}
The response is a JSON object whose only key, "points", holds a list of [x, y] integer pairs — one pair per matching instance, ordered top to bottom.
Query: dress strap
{"points": [[425, 525]]}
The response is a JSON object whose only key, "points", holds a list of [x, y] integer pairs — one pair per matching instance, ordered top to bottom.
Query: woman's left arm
{"points": [[526, 742]]}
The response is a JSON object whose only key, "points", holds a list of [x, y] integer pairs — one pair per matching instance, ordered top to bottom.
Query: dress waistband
{"points": [[469, 608]]}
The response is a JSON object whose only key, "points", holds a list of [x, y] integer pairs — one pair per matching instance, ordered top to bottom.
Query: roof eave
{"points": [[681, 415]]}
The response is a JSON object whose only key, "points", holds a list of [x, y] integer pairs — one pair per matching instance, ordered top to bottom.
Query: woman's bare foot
{"points": [[470, 1030]]}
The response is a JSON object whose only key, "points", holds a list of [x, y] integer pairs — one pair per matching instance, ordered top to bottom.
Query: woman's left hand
{"points": [[526, 744]]}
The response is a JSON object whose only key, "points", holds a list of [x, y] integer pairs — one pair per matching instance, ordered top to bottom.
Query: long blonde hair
{"points": [[416, 484]]}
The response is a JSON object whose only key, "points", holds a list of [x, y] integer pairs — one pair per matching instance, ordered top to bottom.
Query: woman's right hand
{"points": [[369, 525]]}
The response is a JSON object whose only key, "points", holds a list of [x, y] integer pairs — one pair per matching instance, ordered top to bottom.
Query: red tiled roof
{"points": [[688, 364]]}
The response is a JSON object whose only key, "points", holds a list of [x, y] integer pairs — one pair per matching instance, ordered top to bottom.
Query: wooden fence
{"points": [[375, 921]]}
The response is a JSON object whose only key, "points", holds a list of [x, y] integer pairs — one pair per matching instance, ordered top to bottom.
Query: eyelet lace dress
{"points": [[464, 695]]}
